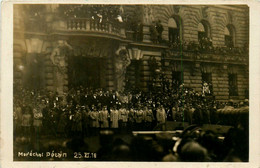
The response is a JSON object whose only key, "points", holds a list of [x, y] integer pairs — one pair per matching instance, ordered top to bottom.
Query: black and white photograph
{"points": [[131, 82]]}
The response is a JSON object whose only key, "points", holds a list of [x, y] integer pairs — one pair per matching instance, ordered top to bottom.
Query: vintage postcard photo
{"points": [[130, 82]]}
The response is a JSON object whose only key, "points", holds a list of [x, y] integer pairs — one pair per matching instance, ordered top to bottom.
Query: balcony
{"points": [[90, 26], [215, 55]]}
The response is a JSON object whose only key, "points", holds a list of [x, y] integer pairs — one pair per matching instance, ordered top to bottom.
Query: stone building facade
{"points": [[188, 44]]}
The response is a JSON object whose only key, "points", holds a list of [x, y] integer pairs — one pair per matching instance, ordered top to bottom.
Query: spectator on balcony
{"points": [[154, 33]]}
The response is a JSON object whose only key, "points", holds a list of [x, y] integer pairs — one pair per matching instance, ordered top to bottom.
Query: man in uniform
{"points": [[94, 115], [161, 116], [104, 117], [114, 117], [139, 117], [148, 117], [124, 118]]}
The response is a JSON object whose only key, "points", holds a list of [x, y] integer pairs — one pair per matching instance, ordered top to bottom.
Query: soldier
{"points": [[120, 111], [174, 112], [94, 115], [114, 116], [161, 116], [104, 117], [139, 117], [148, 117], [17, 118], [124, 118], [131, 118], [63, 120], [26, 121], [37, 121], [86, 121], [77, 123]]}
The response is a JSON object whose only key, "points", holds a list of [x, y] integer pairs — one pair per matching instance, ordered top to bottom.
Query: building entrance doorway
{"points": [[87, 72]]}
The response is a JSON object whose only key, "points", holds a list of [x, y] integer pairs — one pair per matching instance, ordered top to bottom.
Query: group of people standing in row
{"points": [[84, 111], [85, 120]]}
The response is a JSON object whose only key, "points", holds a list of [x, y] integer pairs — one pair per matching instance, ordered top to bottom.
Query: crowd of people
{"points": [[84, 111]]}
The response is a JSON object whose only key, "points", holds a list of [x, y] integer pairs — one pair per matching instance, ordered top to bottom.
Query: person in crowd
{"points": [[174, 112], [95, 116], [104, 116], [161, 116], [114, 117], [17, 118], [124, 118], [131, 118], [139, 118], [148, 118], [27, 121], [37, 121], [86, 121], [77, 123], [62, 125], [193, 152]]}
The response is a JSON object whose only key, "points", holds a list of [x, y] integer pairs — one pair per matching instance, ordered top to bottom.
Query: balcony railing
{"points": [[86, 24], [206, 56]]}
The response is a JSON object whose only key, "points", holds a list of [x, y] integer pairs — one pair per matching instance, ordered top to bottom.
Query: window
{"points": [[174, 31], [203, 31], [204, 35], [229, 36], [176, 78], [207, 78], [232, 82]]}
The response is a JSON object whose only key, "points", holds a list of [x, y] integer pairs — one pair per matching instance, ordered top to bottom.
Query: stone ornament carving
{"points": [[176, 9], [205, 12], [148, 14], [58, 58], [122, 60]]}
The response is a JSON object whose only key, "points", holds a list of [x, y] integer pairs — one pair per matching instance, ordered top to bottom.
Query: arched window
{"points": [[173, 30], [203, 31], [229, 36]]}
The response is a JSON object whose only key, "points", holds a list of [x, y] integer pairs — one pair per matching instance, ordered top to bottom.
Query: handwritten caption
{"points": [[60, 154]]}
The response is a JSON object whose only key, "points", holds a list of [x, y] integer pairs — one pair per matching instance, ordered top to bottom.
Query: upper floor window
{"points": [[173, 31], [203, 31], [204, 35], [229, 36]]}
